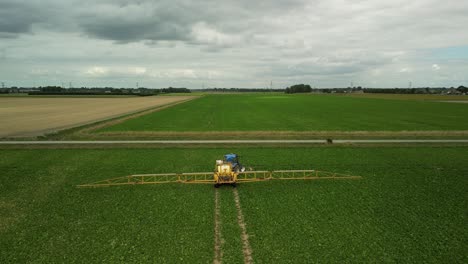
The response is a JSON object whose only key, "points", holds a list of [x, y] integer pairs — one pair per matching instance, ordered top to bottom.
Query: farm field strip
{"points": [[425, 97], [456, 101], [300, 113], [25, 116], [268, 135], [240, 141], [409, 207]]}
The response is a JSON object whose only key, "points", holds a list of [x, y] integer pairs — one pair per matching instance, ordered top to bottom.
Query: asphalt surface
{"points": [[311, 141]]}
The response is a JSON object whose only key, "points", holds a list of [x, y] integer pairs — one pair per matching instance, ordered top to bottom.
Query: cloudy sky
{"points": [[239, 43]]}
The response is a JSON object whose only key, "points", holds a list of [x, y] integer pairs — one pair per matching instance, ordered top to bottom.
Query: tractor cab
{"points": [[234, 160]]}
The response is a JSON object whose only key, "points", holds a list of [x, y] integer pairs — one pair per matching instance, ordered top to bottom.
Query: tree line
{"points": [[298, 88]]}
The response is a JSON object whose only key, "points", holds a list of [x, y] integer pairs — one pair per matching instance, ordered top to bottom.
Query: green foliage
{"points": [[299, 88], [51, 89], [462, 89], [175, 90], [300, 113], [409, 207]]}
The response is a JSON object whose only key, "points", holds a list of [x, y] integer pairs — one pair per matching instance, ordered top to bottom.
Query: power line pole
{"points": [[3, 85]]}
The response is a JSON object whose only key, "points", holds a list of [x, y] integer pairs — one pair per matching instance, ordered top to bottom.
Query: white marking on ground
{"points": [[217, 232], [246, 249]]}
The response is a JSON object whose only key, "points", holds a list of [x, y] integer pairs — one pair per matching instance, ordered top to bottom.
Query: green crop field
{"points": [[425, 97], [280, 112], [410, 206]]}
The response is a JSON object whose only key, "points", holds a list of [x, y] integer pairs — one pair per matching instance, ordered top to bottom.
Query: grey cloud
{"points": [[26, 16], [17, 17], [143, 20], [168, 20], [123, 22], [129, 31], [241, 42], [331, 65], [304, 69]]}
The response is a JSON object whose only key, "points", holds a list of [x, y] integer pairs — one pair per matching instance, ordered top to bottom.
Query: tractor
{"points": [[226, 170]]}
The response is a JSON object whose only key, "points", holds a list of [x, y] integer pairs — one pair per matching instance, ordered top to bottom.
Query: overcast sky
{"points": [[239, 43]]}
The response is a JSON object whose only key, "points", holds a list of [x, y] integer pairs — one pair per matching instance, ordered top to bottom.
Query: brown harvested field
{"points": [[24, 117]]}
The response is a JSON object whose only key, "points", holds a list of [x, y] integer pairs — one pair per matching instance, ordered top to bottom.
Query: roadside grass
{"points": [[276, 113], [410, 206]]}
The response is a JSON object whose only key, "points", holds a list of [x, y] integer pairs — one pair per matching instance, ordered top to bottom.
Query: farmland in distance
{"points": [[279, 112], [33, 116]]}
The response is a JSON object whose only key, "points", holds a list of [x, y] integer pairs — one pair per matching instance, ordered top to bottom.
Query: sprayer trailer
{"points": [[227, 170]]}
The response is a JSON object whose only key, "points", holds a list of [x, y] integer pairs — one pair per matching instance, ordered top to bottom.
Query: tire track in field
{"points": [[217, 232], [246, 249]]}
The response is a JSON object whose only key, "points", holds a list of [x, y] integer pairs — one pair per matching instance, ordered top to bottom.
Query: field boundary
{"points": [[88, 133], [217, 142]]}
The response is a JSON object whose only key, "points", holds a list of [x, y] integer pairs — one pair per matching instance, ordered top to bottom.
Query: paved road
{"points": [[311, 141]]}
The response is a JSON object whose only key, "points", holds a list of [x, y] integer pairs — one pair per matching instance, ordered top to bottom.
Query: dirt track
{"points": [[455, 101], [20, 117]]}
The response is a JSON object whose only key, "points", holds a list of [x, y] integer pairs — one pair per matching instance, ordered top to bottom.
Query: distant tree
{"points": [[299, 88], [52, 89], [462, 89], [175, 90]]}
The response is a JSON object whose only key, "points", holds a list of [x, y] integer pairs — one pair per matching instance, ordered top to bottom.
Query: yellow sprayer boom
{"points": [[227, 171], [209, 177]]}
